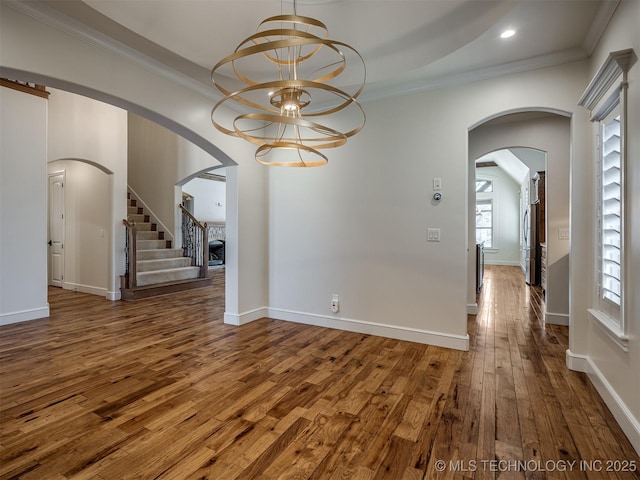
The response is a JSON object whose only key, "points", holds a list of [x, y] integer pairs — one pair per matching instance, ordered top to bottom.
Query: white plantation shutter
{"points": [[611, 210]]}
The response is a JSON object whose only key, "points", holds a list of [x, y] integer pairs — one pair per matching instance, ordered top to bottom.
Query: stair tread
{"points": [[149, 235], [140, 244], [158, 249], [159, 253], [160, 260], [154, 264], [166, 270], [167, 275]]}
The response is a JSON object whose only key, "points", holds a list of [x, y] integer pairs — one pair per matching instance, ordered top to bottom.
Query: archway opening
{"points": [[527, 135]]}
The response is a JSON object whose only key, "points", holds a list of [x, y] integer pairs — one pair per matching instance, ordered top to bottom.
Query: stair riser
{"points": [[138, 218], [145, 227], [148, 235], [150, 244], [159, 253], [162, 264], [162, 276], [151, 291]]}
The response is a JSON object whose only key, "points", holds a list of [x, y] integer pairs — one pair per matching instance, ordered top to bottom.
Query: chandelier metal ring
{"points": [[238, 96], [281, 108], [332, 138], [265, 149]]}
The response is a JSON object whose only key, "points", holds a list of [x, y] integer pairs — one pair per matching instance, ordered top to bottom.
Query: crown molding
{"points": [[599, 25], [75, 27], [615, 66], [194, 77], [425, 83]]}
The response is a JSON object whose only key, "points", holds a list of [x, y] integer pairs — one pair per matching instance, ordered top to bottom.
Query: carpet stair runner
{"points": [[160, 268]]}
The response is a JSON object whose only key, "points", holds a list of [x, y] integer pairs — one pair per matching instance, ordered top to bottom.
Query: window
{"points": [[606, 98], [484, 186], [610, 210], [484, 212], [484, 222]]}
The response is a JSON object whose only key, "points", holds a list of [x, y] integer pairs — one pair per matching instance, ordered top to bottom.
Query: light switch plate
{"points": [[433, 235]]}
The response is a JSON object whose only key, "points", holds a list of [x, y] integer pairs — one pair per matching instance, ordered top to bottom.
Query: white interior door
{"points": [[56, 229]]}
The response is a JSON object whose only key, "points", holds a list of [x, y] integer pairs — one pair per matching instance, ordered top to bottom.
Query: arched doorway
{"points": [[547, 131], [117, 200], [511, 208], [85, 265]]}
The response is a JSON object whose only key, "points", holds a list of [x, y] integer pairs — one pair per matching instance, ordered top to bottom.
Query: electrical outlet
{"points": [[335, 303]]}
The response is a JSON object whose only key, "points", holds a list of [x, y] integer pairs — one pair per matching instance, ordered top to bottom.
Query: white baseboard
{"points": [[78, 287], [113, 295], [472, 309], [24, 315], [246, 317], [556, 318], [457, 342], [576, 362], [627, 421]]}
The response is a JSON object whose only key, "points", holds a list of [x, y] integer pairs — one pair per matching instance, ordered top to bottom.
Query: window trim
{"points": [[606, 91], [487, 181], [487, 201], [610, 328]]}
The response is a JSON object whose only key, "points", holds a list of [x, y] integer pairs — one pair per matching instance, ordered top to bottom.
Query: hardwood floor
{"points": [[160, 388]]}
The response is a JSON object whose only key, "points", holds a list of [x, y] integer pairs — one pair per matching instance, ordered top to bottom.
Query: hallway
{"points": [[160, 388]]}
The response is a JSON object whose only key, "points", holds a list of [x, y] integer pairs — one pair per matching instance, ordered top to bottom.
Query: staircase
{"points": [[159, 268]]}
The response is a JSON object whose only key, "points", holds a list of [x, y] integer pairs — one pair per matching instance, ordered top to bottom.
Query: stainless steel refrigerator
{"points": [[531, 244]]}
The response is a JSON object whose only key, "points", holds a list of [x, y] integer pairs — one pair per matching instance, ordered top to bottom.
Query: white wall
{"points": [[44, 51], [96, 133], [551, 134], [158, 160], [209, 199], [23, 206], [506, 216], [358, 226], [88, 227], [615, 373]]}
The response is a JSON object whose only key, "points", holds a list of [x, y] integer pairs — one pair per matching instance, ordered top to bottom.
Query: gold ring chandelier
{"points": [[289, 111]]}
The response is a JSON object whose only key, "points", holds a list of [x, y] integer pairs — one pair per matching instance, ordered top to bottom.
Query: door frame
{"points": [[50, 280]]}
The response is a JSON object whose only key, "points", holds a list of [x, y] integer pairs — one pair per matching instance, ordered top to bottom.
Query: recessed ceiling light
{"points": [[507, 33]]}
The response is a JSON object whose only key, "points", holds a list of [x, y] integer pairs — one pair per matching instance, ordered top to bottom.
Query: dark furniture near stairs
{"points": [[216, 252]]}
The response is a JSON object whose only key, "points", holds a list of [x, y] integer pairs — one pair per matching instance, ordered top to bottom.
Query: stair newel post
{"points": [[132, 253], [133, 257], [204, 268]]}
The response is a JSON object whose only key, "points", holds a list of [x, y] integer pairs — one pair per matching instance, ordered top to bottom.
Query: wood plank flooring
{"points": [[161, 389]]}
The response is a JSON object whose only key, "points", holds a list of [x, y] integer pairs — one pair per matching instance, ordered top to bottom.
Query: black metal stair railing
{"points": [[194, 241]]}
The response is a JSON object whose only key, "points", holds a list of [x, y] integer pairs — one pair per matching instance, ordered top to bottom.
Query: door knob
{"points": [[50, 243]]}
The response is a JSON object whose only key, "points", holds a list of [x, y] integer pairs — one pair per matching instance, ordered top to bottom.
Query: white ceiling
{"points": [[407, 45]]}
